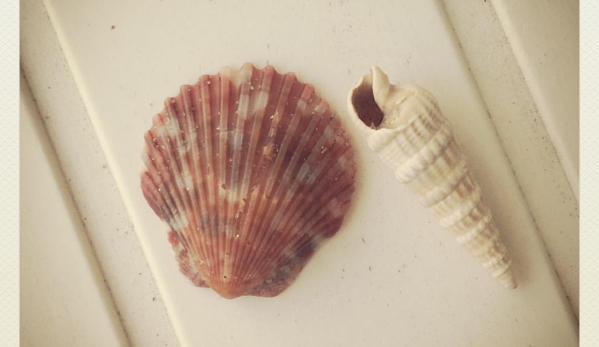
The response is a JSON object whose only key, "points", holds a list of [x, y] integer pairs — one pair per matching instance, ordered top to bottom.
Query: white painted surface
{"points": [[544, 37], [523, 135], [107, 223], [392, 276], [63, 300]]}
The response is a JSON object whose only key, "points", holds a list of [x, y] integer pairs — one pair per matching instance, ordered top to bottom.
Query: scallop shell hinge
{"points": [[405, 127], [252, 171]]}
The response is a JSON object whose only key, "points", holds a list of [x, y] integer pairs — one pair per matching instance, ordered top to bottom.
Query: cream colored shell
{"points": [[404, 126]]}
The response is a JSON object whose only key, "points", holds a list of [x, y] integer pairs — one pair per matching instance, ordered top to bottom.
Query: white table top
{"points": [[391, 276], [61, 283]]}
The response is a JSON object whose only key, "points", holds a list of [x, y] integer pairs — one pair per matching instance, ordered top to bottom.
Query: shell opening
{"points": [[365, 106]]}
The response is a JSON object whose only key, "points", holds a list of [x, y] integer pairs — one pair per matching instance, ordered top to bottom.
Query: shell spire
{"points": [[405, 127], [251, 170]]}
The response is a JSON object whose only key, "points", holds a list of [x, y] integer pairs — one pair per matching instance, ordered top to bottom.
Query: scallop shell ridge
{"points": [[405, 127], [252, 171]]}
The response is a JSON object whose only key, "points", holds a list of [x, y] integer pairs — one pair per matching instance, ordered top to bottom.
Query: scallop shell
{"points": [[405, 127], [252, 171]]}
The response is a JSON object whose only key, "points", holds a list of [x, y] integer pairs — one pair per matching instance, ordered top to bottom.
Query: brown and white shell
{"points": [[405, 127], [252, 171]]}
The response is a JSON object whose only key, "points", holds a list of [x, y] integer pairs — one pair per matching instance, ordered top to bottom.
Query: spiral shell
{"points": [[405, 127], [251, 171]]}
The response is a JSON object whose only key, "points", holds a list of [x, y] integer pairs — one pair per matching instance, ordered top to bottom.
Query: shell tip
{"points": [[508, 279]]}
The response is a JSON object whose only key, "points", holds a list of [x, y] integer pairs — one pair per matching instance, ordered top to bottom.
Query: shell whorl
{"points": [[405, 127]]}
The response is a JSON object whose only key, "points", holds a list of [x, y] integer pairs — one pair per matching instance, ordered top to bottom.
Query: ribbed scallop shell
{"points": [[405, 126], [251, 171]]}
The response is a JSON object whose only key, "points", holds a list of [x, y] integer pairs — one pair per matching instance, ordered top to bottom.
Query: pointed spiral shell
{"points": [[405, 127]]}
